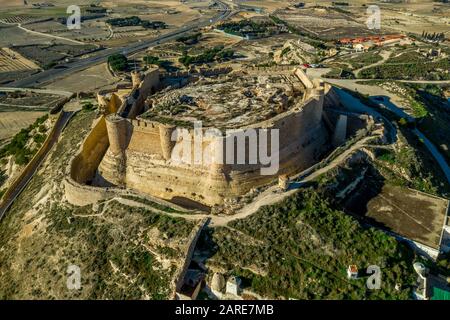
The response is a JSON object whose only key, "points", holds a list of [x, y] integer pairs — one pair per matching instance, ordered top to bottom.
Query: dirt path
{"points": [[48, 35], [384, 54], [272, 195]]}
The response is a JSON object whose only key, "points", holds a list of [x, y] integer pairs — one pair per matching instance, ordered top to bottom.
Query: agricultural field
{"points": [[402, 16], [48, 23], [326, 23], [48, 56], [11, 61], [14, 66], [429, 70], [89, 80], [18, 110]]}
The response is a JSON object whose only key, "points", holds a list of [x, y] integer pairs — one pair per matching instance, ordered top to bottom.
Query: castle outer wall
{"points": [[137, 154], [139, 157]]}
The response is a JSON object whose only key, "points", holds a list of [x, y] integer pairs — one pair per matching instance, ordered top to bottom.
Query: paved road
{"points": [[44, 77], [392, 104], [59, 126], [436, 154]]}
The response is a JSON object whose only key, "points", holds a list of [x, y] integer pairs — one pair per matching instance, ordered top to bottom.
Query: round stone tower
{"points": [[136, 78], [117, 133], [165, 135]]}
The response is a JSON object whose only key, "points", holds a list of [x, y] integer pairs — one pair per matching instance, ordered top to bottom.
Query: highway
{"points": [[50, 75], [44, 77]]}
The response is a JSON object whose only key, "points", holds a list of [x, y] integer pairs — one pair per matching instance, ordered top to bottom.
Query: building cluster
{"points": [[368, 42], [432, 53], [231, 289]]}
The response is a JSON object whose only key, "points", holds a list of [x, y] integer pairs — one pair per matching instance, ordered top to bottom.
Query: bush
{"points": [[136, 21], [190, 39], [210, 55], [152, 60], [118, 62], [88, 106], [39, 138], [17, 146], [2, 177], [305, 245]]}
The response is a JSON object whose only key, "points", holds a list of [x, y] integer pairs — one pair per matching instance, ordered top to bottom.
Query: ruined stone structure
{"points": [[134, 143]]}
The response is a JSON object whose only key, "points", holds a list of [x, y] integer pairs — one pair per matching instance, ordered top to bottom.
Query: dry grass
{"points": [[12, 122]]}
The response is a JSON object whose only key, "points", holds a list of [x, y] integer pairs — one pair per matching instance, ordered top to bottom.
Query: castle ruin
{"points": [[133, 143]]}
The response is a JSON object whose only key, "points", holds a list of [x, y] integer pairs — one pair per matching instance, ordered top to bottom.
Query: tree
{"points": [[118, 62]]}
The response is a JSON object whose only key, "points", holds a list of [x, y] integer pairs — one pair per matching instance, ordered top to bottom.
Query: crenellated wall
{"points": [[142, 152], [139, 154]]}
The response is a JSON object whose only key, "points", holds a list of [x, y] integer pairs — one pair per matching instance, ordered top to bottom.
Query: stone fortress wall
{"points": [[135, 153]]}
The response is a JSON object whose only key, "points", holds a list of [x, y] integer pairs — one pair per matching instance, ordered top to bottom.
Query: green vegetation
{"points": [[136, 21], [245, 28], [433, 37], [190, 39], [285, 51], [215, 54], [407, 57], [365, 59], [152, 60], [118, 62], [160, 63], [49, 65], [433, 70], [340, 73], [405, 91], [88, 106], [435, 124], [39, 138], [18, 145], [413, 159], [418, 173], [3, 178], [152, 204], [114, 246], [301, 248], [443, 264]]}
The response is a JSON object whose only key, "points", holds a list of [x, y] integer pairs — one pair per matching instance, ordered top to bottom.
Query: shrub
{"points": [[152, 60], [118, 62], [88, 106], [402, 122]]}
